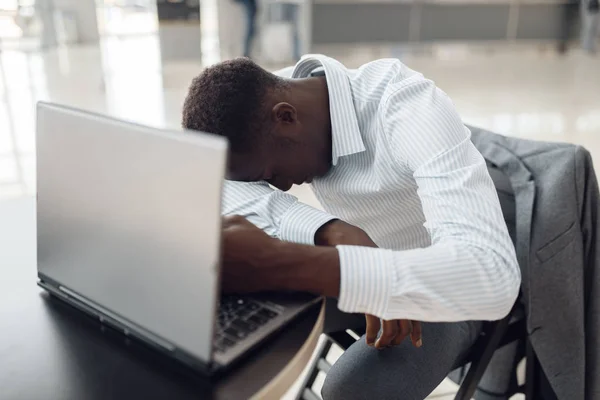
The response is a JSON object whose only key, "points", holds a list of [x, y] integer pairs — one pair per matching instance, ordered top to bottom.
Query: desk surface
{"points": [[50, 351]]}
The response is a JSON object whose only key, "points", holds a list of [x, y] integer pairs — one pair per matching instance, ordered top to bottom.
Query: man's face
{"points": [[289, 152], [281, 165]]}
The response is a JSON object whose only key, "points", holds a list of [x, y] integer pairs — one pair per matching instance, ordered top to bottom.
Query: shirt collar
{"points": [[345, 132]]}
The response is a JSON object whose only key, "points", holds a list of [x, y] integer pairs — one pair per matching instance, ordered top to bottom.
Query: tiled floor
{"points": [[524, 91]]}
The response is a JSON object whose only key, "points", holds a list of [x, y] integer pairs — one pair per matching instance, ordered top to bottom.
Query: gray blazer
{"points": [[556, 222]]}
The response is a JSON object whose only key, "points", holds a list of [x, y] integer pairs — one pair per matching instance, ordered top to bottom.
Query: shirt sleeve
{"points": [[277, 213], [469, 272]]}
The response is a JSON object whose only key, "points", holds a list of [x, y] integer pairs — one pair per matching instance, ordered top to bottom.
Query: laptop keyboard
{"points": [[238, 317]]}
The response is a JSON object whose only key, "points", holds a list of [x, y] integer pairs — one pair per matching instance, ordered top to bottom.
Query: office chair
{"points": [[494, 336]]}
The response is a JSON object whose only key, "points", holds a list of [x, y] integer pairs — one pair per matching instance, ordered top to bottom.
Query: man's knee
{"points": [[363, 372], [342, 383]]}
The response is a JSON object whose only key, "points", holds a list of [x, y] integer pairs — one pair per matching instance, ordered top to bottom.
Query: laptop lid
{"points": [[128, 218]]}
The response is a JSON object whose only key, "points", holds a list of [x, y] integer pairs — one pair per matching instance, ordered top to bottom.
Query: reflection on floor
{"points": [[518, 91], [522, 91]]}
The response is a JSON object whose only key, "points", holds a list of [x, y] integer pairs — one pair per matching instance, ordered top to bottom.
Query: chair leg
{"points": [[342, 339], [479, 365], [531, 371], [305, 391]]}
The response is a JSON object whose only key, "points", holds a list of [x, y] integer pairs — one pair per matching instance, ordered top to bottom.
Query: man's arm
{"points": [[277, 213], [254, 261], [470, 270]]}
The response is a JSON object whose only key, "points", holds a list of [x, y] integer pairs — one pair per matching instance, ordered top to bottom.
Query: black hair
{"points": [[228, 99]]}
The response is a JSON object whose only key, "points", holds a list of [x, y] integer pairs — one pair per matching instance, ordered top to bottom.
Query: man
{"points": [[392, 164]]}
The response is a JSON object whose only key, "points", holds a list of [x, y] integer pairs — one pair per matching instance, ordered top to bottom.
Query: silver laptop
{"points": [[129, 226]]}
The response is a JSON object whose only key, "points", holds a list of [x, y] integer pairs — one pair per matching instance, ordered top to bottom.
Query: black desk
{"points": [[50, 351]]}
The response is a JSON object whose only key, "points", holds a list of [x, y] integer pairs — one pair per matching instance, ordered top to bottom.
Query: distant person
{"points": [[251, 9], [293, 11], [589, 11], [568, 21], [590, 24]]}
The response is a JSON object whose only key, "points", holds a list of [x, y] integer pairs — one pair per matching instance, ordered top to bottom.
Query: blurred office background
{"points": [[520, 67]]}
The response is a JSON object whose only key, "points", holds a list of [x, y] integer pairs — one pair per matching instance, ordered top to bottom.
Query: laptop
{"points": [[128, 229]]}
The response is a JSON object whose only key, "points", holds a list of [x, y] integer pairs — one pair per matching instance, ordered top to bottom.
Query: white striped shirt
{"points": [[405, 171]]}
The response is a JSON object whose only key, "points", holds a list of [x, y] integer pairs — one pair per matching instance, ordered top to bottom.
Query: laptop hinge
{"points": [[111, 318]]}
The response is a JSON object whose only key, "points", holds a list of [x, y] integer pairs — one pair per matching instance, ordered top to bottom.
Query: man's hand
{"points": [[244, 249], [255, 262], [393, 332]]}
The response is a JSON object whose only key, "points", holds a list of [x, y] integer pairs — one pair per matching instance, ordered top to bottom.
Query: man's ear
{"points": [[284, 113]]}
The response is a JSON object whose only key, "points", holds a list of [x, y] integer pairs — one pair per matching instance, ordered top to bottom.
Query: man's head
{"points": [[277, 128]]}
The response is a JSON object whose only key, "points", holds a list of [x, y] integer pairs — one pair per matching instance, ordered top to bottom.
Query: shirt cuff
{"points": [[301, 222], [366, 280]]}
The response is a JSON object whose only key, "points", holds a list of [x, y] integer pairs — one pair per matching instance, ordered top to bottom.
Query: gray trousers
{"points": [[403, 372]]}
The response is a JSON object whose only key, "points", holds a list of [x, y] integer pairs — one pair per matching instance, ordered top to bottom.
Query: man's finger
{"points": [[373, 326], [405, 330], [388, 333], [416, 335]]}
